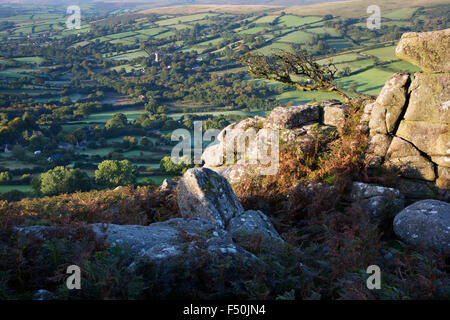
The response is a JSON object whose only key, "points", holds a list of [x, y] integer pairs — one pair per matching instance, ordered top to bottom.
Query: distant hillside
{"points": [[161, 3]]}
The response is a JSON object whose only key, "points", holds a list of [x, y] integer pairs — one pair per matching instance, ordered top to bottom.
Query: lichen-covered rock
{"points": [[428, 50], [430, 98], [389, 104], [368, 108], [334, 112], [292, 117], [317, 128], [229, 132], [429, 137], [235, 142], [379, 144], [376, 150], [213, 156], [409, 161], [237, 172], [443, 180], [168, 186], [417, 189], [206, 194], [377, 199], [253, 223], [425, 223], [157, 240], [167, 250]]}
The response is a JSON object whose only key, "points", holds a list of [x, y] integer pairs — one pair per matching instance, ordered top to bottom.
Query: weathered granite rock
{"points": [[428, 50], [429, 99], [389, 104], [368, 108], [334, 112], [292, 117], [317, 128], [292, 135], [429, 137], [237, 141], [379, 144], [376, 150], [213, 156], [443, 161], [412, 164], [237, 172], [443, 180], [168, 186], [417, 189], [206, 194], [377, 199], [253, 222], [425, 223], [157, 240], [167, 250]]}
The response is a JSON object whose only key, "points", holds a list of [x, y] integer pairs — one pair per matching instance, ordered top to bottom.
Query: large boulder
{"points": [[428, 50], [429, 99], [389, 105], [334, 112], [292, 117], [230, 131], [429, 137], [379, 144], [213, 156], [404, 156], [206, 194], [377, 199], [253, 223], [425, 223], [157, 240], [180, 254]]}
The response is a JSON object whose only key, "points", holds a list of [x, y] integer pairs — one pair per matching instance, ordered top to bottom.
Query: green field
{"points": [[405, 13], [183, 19], [266, 19], [296, 21], [254, 30], [332, 32], [164, 35], [296, 37], [212, 42], [273, 47], [384, 54], [130, 55], [30, 60], [356, 65], [403, 66], [368, 82], [298, 97], [105, 116], [22, 188]]}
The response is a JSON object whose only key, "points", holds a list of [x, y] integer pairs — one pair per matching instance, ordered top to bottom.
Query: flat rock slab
{"points": [[292, 117]]}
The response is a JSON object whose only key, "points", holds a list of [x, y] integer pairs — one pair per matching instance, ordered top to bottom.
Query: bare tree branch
{"points": [[282, 66]]}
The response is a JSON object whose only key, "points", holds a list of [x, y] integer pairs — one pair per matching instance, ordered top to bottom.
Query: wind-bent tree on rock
{"points": [[295, 69]]}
